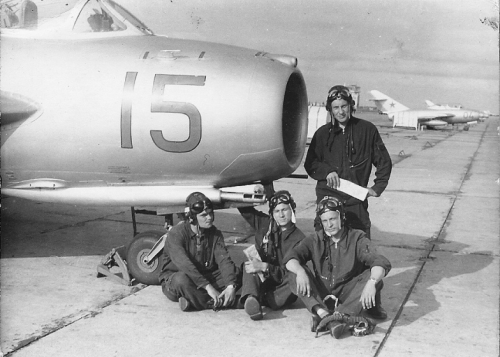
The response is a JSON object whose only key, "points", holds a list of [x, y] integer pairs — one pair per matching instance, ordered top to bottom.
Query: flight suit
{"points": [[350, 153], [189, 264], [341, 269], [274, 291]]}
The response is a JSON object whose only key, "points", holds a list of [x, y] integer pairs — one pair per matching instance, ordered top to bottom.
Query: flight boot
{"points": [[184, 304], [253, 308], [377, 313]]}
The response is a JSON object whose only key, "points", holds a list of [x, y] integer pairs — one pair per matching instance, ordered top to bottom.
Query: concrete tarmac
{"points": [[437, 222]]}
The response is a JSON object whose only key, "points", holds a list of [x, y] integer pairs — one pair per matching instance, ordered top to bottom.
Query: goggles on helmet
{"points": [[339, 92], [282, 198], [329, 204], [200, 206]]}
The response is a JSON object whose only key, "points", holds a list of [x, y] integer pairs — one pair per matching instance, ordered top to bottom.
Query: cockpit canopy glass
{"points": [[86, 16], [95, 18]]}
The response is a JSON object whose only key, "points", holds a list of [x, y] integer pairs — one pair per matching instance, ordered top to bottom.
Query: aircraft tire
{"points": [[137, 250]]}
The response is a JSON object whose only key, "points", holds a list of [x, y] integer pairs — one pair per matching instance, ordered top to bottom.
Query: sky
{"points": [[410, 50]]}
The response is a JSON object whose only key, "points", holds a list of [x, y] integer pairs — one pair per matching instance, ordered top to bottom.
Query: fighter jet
{"points": [[430, 105], [98, 110], [405, 117]]}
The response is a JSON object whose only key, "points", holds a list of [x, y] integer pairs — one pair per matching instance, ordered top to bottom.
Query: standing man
{"points": [[346, 148], [196, 268], [265, 280], [345, 290]]}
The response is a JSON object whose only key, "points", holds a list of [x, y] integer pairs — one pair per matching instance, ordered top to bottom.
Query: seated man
{"points": [[196, 268], [264, 280], [345, 289]]}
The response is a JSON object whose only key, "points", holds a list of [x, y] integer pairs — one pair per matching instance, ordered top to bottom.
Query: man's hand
{"points": [[333, 180], [372, 193], [255, 266], [303, 285], [214, 294], [227, 296], [367, 298]]}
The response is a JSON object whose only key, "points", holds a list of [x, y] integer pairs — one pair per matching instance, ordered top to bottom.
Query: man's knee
{"points": [[180, 279], [176, 283], [169, 292]]}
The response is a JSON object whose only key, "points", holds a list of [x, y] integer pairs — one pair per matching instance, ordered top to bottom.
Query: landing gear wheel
{"points": [[466, 127], [137, 250]]}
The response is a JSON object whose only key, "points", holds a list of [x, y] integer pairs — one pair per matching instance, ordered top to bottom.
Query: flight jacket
{"points": [[350, 153], [280, 243], [181, 254], [350, 257]]}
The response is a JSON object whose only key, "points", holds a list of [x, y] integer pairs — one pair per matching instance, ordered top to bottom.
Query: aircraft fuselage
{"points": [[150, 110]]}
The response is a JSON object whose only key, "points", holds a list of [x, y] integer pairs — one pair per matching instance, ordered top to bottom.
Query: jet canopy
{"points": [[86, 19]]}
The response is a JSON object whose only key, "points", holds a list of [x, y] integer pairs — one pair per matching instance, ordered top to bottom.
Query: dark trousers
{"points": [[180, 284], [267, 292], [348, 298]]}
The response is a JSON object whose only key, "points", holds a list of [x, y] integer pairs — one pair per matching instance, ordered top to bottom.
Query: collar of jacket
{"points": [[335, 127], [276, 229], [203, 231], [288, 232], [342, 242]]}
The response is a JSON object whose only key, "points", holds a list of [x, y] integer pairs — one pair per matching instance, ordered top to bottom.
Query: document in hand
{"points": [[353, 190], [252, 254]]}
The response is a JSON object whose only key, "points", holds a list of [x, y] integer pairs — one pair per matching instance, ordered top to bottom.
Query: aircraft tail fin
{"points": [[385, 103], [429, 103]]}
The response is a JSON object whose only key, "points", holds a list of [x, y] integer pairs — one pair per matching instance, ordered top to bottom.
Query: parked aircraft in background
{"points": [[430, 105], [98, 110], [405, 117]]}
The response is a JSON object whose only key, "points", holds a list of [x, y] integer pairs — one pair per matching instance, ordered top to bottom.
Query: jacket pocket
{"points": [[358, 164]]}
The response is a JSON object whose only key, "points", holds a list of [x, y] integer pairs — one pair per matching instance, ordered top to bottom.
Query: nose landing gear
{"points": [[139, 261]]}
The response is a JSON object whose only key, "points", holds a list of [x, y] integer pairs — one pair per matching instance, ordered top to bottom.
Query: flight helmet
{"points": [[339, 92]]}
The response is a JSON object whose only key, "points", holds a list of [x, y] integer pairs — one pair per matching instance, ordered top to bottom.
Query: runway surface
{"points": [[437, 222]]}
